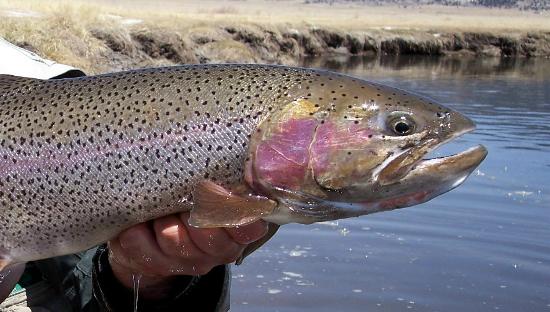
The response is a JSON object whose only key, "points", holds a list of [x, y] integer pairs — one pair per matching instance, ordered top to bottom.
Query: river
{"points": [[484, 246]]}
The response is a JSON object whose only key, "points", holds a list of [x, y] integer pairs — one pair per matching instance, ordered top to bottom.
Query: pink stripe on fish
{"points": [[66, 156]]}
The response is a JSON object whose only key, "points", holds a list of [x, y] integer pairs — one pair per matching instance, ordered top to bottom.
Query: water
{"points": [[482, 247], [135, 280]]}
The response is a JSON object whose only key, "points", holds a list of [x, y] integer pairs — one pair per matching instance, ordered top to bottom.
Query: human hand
{"points": [[166, 247]]}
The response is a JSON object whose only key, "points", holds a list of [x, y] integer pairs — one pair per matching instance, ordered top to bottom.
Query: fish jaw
{"points": [[440, 175], [427, 180]]}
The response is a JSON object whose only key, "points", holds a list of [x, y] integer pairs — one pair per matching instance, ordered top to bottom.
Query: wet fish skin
{"points": [[82, 159]]}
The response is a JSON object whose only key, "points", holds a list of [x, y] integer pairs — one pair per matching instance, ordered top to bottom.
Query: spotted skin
{"points": [[82, 159]]}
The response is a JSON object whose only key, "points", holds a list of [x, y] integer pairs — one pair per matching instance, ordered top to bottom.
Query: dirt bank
{"points": [[253, 43]]}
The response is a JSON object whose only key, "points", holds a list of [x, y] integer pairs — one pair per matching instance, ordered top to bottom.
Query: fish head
{"points": [[353, 148]]}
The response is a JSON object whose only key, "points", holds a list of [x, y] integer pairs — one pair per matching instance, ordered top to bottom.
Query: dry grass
{"points": [[177, 13], [347, 16], [53, 26]]}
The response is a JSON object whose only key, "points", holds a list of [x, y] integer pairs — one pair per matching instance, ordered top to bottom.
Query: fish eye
{"points": [[401, 124]]}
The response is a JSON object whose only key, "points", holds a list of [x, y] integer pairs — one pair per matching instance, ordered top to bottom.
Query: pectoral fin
{"points": [[215, 206], [272, 229]]}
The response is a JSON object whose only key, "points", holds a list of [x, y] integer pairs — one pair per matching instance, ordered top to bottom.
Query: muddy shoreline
{"points": [[259, 44]]}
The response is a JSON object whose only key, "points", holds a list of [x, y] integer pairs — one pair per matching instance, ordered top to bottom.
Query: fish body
{"points": [[82, 159]]}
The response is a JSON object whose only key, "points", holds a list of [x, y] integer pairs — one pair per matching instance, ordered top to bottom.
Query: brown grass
{"points": [[294, 12], [49, 33]]}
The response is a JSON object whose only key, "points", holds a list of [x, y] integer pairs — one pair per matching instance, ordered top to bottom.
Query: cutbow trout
{"points": [[82, 159]]}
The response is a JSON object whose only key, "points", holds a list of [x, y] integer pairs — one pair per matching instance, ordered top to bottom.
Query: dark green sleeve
{"points": [[87, 282]]}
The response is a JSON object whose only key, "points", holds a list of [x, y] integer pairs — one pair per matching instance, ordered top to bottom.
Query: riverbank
{"points": [[104, 38]]}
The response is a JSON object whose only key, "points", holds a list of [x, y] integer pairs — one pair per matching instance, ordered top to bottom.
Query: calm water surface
{"points": [[482, 247]]}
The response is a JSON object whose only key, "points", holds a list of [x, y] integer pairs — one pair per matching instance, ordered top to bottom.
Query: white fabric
{"points": [[20, 62]]}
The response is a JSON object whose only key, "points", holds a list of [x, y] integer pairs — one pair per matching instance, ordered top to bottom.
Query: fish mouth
{"points": [[412, 164]]}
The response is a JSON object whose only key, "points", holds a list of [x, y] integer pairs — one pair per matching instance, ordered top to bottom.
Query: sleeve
{"points": [[91, 287]]}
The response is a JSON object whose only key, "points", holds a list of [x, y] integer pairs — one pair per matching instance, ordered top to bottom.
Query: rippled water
{"points": [[482, 247]]}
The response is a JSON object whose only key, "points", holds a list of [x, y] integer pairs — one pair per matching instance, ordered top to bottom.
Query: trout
{"points": [[82, 159]]}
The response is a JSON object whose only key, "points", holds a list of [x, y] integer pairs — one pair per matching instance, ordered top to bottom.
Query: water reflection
{"points": [[432, 66]]}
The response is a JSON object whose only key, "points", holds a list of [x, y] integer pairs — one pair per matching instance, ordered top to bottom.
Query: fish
{"points": [[82, 159]]}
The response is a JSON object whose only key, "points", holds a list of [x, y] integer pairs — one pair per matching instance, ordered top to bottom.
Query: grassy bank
{"points": [[106, 37]]}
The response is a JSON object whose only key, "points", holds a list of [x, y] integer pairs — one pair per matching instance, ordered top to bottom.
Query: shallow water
{"points": [[482, 247]]}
